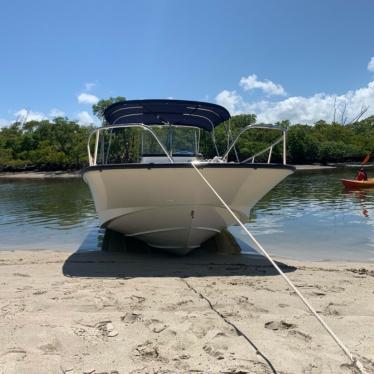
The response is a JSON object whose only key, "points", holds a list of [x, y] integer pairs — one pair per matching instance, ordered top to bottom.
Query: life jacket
{"points": [[362, 176]]}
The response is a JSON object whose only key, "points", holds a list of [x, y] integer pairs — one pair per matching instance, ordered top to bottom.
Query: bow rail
{"points": [[269, 148]]}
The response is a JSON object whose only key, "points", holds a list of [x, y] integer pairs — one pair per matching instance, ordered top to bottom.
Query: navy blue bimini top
{"points": [[161, 112]]}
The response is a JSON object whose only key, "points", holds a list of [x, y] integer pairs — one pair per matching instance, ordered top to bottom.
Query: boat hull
{"points": [[351, 183], [169, 206]]}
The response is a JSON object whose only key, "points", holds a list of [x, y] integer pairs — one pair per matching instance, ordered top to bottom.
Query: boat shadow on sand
{"points": [[140, 260]]}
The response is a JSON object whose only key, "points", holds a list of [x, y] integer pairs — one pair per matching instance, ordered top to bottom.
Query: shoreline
{"points": [[314, 167], [39, 174], [77, 174], [68, 250], [198, 254], [142, 313]]}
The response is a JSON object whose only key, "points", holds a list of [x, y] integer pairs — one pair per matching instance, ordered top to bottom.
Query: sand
{"points": [[105, 312]]}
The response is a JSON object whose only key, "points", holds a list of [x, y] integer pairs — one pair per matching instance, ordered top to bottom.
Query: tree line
{"points": [[61, 144]]}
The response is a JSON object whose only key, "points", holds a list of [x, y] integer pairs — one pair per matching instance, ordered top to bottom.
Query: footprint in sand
{"points": [[362, 271], [21, 275], [24, 288], [336, 289], [39, 292], [318, 293], [137, 299], [243, 300], [183, 302], [283, 305], [330, 309], [10, 310], [130, 318], [155, 325], [279, 325], [201, 328], [107, 329], [79, 331], [95, 331], [300, 335], [217, 344], [50, 348], [146, 351], [213, 351], [15, 353], [184, 357], [252, 367], [149, 370]]}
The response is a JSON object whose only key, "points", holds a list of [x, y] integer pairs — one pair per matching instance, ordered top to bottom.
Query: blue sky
{"points": [[280, 59]]}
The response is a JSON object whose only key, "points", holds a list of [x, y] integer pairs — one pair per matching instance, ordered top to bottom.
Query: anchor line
{"points": [[346, 351]]}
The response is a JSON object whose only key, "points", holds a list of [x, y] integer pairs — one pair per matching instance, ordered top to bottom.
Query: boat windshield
{"points": [[178, 141], [133, 145]]}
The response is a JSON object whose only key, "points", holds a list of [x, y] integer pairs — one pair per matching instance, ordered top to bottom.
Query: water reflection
{"points": [[362, 196], [33, 212], [308, 216]]}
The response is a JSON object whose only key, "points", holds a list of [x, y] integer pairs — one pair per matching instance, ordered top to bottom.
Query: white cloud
{"points": [[371, 65], [89, 86], [267, 86], [86, 98], [231, 101], [300, 109], [56, 113], [24, 115], [84, 118]]}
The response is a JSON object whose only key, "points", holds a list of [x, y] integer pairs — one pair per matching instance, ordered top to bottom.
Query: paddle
{"points": [[366, 159]]}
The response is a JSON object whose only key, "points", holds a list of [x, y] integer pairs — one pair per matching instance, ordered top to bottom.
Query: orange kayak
{"points": [[352, 183]]}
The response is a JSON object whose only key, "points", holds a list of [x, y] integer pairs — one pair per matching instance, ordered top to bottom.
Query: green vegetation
{"points": [[99, 108], [334, 142], [320, 143], [61, 144], [44, 145]]}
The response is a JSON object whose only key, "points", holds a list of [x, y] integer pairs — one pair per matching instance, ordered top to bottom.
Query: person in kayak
{"points": [[362, 175]]}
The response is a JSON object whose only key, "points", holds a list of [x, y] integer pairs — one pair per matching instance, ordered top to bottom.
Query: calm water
{"points": [[44, 214], [308, 216]]}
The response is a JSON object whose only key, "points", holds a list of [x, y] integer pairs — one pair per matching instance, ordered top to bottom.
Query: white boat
{"points": [[144, 185]]}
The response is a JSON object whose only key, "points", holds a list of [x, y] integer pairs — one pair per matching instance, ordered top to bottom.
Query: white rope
{"points": [[353, 359]]}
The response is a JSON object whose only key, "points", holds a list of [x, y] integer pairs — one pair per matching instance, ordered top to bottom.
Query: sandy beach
{"points": [[101, 312]]}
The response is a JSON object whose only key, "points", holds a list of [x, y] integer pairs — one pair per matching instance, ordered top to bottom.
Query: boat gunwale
{"points": [[185, 165], [354, 183]]}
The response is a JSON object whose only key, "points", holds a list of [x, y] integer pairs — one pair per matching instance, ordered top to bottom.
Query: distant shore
{"points": [[313, 167], [40, 174], [77, 174], [99, 312]]}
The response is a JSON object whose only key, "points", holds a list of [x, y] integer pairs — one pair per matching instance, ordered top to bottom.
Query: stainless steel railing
{"points": [[269, 148], [92, 159]]}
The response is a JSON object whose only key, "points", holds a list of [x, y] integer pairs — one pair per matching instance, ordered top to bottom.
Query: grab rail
{"points": [[270, 148], [93, 160]]}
